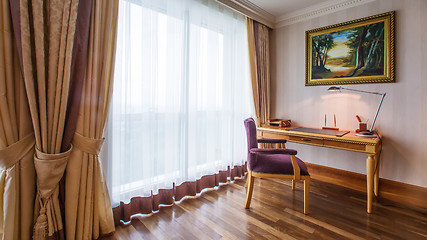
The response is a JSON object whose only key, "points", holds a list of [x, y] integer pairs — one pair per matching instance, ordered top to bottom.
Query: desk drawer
{"points": [[274, 135], [306, 140], [345, 145]]}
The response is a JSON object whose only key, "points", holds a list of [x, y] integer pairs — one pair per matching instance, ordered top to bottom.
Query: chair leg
{"points": [[293, 184], [249, 190], [306, 193]]}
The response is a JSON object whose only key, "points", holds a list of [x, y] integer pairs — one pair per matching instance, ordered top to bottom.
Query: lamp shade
{"points": [[334, 89]]}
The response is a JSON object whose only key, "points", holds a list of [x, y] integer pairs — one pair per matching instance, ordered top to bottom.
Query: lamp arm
{"points": [[356, 90], [378, 110]]}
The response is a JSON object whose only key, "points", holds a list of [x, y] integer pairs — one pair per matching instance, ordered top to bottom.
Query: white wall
{"points": [[403, 117]]}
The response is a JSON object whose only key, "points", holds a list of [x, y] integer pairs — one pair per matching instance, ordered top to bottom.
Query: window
{"points": [[181, 93]]}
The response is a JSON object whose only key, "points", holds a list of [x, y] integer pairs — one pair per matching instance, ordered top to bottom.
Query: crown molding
{"points": [[251, 10], [317, 10]]}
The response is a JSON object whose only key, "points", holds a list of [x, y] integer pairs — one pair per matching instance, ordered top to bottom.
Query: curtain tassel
{"points": [[40, 228]]}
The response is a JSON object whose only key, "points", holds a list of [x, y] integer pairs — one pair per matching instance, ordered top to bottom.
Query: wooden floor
{"points": [[277, 213]]}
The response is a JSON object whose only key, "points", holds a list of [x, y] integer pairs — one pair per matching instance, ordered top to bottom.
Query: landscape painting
{"points": [[359, 51]]}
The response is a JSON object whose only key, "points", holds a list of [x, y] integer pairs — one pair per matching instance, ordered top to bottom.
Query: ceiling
{"points": [[279, 8]]}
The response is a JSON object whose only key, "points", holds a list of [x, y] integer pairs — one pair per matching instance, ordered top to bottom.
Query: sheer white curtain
{"points": [[182, 90]]}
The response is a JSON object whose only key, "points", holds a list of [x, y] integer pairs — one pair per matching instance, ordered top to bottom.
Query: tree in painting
{"points": [[321, 46], [351, 52]]}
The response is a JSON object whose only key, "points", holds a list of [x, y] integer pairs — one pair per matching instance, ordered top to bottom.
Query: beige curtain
{"points": [[45, 31], [259, 57], [17, 174], [87, 204]]}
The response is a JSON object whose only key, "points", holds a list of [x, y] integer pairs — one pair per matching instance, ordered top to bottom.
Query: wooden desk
{"points": [[350, 142]]}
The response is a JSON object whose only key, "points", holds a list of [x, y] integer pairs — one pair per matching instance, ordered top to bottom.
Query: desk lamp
{"points": [[370, 132]]}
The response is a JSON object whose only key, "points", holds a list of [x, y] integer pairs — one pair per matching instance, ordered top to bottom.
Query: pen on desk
{"points": [[358, 118], [325, 120], [335, 121]]}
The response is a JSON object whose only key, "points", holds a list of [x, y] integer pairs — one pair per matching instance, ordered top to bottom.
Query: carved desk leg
{"points": [[370, 168], [377, 174]]}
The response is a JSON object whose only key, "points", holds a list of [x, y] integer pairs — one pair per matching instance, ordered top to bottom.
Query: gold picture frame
{"points": [[354, 52]]}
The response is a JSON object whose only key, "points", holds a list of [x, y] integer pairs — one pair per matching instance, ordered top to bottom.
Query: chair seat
{"points": [[277, 164]]}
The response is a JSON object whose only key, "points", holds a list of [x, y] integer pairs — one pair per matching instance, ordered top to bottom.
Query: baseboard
{"points": [[396, 191]]}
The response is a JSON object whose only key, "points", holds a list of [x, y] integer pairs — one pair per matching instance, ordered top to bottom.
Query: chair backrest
{"points": [[251, 133]]}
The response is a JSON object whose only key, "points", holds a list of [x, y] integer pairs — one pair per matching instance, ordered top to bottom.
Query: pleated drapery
{"points": [[45, 33], [259, 55], [182, 90], [17, 174], [88, 212]]}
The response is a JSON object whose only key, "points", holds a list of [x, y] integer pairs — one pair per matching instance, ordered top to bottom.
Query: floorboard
{"points": [[277, 213]]}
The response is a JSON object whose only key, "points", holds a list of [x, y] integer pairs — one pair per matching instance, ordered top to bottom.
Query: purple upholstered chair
{"points": [[272, 163]]}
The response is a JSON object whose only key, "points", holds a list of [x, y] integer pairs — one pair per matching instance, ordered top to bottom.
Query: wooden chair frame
{"points": [[296, 176]]}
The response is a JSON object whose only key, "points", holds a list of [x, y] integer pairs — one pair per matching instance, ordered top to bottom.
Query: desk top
{"points": [[349, 137]]}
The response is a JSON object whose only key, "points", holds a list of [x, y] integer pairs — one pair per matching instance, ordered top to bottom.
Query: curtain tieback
{"points": [[87, 145], [10, 155], [50, 169]]}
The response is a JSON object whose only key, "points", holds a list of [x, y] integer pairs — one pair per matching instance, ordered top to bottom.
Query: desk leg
{"points": [[370, 168], [376, 174]]}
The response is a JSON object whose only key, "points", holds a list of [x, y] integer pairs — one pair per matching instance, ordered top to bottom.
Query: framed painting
{"points": [[358, 51]]}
